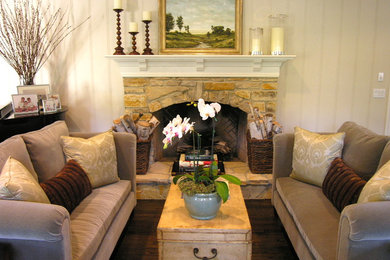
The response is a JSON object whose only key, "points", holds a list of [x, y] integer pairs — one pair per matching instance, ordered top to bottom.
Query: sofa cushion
{"points": [[16, 148], [45, 149], [362, 149], [313, 153], [96, 155], [385, 157], [17, 183], [342, 186], [69, 187], [378, 187], [314, 215], [91, 219]]}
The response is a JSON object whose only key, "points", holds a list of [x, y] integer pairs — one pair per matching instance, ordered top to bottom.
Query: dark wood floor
{"points": [[139, 239]]}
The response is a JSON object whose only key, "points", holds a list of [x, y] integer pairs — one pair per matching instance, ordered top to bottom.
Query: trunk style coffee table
{"points": [[227, 236]]}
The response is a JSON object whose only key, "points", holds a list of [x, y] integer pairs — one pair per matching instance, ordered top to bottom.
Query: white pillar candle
{"points": [[117, 4], [146, 16], [133, 27], [277, 41], [255, 45]]}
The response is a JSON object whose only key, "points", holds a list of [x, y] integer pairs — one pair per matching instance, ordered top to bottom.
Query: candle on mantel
{"points": [[117, 4], [146, 16], [133, 27], [277, 41], [255, 45]]}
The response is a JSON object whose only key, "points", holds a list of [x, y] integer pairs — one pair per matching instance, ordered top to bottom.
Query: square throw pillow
{"points": [[358, 139], [44, 147], [313, 153], [96, 155], [17, 183], [342, 186], [69, 187], [378, 187]]}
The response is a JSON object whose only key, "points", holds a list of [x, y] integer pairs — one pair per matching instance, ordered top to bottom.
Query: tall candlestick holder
{"points": [[118, 49], [147, 50], [134, 52]]}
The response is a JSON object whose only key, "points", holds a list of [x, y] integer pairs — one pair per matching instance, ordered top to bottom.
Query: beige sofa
{"points": [[31, 230], [317, 230]]}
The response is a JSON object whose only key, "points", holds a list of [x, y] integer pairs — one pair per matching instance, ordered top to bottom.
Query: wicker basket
{"points": [[143, 150], [260, 155]]}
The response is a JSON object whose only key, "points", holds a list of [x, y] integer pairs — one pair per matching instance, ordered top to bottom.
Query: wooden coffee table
{"points": [[229, 234]]}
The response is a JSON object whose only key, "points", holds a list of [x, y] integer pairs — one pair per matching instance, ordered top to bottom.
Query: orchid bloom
{"points": [[208, 110], [176, 128]]}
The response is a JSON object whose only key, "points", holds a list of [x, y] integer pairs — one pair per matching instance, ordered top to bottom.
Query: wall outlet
{"points": [[381, 76], [379, 93]]}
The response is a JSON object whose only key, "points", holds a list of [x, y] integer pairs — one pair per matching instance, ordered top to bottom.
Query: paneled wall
{"points": [[340, 45]]}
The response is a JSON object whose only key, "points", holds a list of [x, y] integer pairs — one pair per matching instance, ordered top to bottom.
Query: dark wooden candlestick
{"points": [[118, 49], [147, 50], [134, 52]]}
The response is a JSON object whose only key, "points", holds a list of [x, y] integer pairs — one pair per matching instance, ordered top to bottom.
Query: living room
{"points": [[335, 66]]}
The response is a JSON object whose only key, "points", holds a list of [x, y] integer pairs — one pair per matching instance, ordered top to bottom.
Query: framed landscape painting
{"points": [[200, 26]]}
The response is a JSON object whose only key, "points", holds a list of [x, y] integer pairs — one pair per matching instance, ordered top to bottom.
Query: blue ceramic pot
{"points": [[203, 206]]}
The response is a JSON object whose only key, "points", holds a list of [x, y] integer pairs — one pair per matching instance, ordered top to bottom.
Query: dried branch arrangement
{"points": [[29, 34]]}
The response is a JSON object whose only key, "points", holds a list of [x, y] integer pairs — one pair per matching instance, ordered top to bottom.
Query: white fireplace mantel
{"points": [[200, 65]]}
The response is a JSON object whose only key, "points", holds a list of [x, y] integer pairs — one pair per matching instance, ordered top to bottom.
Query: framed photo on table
{"points": [[200, 26], [41, 90], [25, 103]]}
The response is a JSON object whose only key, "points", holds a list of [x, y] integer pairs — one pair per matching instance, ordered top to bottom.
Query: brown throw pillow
{"points": [[342, 186], [69, 187]]}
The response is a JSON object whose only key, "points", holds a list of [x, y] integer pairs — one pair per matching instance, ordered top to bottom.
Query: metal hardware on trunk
{"points": [[213, 251]]}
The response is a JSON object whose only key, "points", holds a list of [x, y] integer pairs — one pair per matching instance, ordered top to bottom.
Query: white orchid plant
{"points": [[201, 180]]}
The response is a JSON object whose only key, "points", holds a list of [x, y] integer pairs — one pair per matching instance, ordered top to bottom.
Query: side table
{"points": [[19, 124]]}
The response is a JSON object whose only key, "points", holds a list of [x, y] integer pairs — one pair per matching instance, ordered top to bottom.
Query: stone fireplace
{"points": [[156, 84], [162, 95]]}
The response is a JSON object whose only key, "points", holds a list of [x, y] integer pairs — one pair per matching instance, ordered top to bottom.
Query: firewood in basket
{"points": [[129, 120], [153, 122], [126, 125], [118, 126], [143, 130], [254, 131]]}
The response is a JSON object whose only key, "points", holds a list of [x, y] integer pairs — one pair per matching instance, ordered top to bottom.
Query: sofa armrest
{"points": [[126, 146], [282, 157], [30, 230], [364, 231]]}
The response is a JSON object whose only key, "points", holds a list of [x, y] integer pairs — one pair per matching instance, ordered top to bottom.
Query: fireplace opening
{"points": [[229, 140]]}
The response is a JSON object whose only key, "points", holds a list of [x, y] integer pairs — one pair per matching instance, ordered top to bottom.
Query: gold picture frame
{"points": [[202, 33]]}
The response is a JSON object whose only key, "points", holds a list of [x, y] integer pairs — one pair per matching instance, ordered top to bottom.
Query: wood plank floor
{"points": [[139, 240]]}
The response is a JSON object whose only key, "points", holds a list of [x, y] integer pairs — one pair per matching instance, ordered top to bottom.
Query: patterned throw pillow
{"points": [[313, 153], [96, 155], [17, 183], [342, 186], [69, 187], [378, 187]]}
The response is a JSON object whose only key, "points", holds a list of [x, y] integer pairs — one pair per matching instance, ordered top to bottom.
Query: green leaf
{"points": [[176, 178], [231, 178], [222, 190]]}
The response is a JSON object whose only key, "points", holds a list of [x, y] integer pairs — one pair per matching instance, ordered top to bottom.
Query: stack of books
{"points": [[186, 161]]}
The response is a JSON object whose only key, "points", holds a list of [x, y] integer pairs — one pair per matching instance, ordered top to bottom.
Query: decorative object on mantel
{"points": [[118, 9], [147, 19], [277, 24], [200, 27], [133, 30], [29, 34], [256, 41], [142, 126], [261, 129], [202, 188]]}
